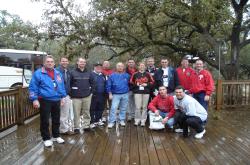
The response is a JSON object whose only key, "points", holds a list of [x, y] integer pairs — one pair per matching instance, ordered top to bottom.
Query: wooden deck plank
{"points": [[226, 142], [134, 147], [162, 155], [125, 157], [144, 158], [153, 158]]}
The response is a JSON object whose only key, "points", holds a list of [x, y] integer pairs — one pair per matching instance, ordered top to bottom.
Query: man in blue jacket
{"points": [[166, 76], [118, 89], [47, 91], [98, 96]]}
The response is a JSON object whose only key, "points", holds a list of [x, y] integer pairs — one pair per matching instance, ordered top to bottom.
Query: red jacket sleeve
{"points": [[209, 84], [153, 104], [171, 107]]}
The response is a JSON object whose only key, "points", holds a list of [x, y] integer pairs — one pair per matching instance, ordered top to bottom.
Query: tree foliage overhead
{"points": [[139, 28], [16, 34]]}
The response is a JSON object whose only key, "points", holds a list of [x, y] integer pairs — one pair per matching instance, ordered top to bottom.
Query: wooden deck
{"points": [[227, 141]]}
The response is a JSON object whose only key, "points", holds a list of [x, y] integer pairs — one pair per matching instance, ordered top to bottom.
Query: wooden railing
{"points": [[231, 93], [15, 107]]}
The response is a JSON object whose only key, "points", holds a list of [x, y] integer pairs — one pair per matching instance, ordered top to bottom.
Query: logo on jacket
{"points": [[201, 76], [58, 78]]}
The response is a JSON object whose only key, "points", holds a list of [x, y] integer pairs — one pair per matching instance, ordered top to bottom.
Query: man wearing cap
{"points": [[98, 96]]}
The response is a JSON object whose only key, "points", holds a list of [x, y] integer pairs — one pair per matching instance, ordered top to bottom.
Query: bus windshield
{"points": [[28, 61]]}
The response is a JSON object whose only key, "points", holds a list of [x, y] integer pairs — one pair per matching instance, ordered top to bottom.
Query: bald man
{"points": [[118, 89]]}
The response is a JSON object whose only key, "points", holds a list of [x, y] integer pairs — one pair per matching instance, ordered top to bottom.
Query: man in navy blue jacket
{"points": [[166, 76], [118, 88], [47, 91], [81, 92], [98, 96], [65, 109]]}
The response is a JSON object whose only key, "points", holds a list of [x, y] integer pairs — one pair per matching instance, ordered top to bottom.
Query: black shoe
{"points": [[86, 129], [77, 131]]}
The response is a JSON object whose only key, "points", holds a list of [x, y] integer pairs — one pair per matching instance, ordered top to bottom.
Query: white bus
{"points": [[17, 66]]}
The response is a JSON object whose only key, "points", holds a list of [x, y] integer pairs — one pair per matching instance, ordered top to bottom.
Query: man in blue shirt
{"points": [[118, 88], [47, 92]]}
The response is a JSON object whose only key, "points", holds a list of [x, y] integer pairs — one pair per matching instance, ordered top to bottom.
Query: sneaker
{"points": [[129, 118], [104, 119], [100, 123], [122, 123], [136, 123], [143, 124], [111, 125], [92, 126], [179, 130], [77, 131], [200, 135], [58, 140], [48, 143]]}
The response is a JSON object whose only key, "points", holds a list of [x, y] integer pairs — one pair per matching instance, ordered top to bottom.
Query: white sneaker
{"points": [[104, 119], [100, 123], [122, 123], [136, 123], [143, 124], [111, 125], [92, 126], [179, 130], [200, 135], [58, 140], [48, 143]]}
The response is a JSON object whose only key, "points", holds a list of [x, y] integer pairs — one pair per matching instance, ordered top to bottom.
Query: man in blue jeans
{"points": [[118, 88]]}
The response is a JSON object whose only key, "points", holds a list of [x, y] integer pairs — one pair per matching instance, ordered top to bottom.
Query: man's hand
{"points": [[144, 84], [110, 96], [207, 98], [62, 101], [36, 104], [157, 113], [165, 120]]}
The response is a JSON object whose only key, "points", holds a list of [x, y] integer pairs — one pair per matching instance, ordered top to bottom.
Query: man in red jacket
{"points": [[106, 71], [184, 73], [202, 84], [163, 105]]}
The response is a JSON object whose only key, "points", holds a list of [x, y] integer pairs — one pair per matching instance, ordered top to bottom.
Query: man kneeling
{"points": [[163, 105], [189, 113]]}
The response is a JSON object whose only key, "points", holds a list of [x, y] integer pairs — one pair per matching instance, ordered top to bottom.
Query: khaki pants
{"points": [[141, 102], [131, 105], [81, 106], [65, 116]]}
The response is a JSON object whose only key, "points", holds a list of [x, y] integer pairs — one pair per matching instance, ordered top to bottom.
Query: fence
{"points": [[230, 93], [15, 107]]}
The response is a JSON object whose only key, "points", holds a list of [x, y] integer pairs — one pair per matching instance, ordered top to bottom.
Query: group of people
{"points": [[180, 96]]}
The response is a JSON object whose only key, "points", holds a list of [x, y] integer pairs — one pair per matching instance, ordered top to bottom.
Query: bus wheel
{"points": [[16, 85]]}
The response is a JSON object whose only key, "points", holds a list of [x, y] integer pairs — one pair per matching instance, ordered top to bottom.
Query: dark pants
{"points": [[200, 98], [97, 107], [49, 108], [185, 121]]}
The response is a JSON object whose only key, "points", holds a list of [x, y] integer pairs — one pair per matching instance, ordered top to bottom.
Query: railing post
{"points": [[219, 95], [20, 106]]}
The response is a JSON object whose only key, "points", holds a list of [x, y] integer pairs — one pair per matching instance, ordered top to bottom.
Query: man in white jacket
{"points": [[190, 113]]}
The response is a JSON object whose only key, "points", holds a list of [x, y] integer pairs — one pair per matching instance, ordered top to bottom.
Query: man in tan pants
{"points": [[80, 86]]}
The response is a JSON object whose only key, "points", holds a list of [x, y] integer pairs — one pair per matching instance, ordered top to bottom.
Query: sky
{"points": [[31, 11]]}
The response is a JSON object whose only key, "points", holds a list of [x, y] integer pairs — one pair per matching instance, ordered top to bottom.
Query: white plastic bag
{"points": [[155, 122]]}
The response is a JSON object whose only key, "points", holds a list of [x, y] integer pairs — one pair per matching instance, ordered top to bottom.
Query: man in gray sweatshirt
{"points": [[190, 113]]}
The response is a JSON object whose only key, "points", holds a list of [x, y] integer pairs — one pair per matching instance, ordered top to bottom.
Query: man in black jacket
{"points": [[166, 76], [81, 93]]}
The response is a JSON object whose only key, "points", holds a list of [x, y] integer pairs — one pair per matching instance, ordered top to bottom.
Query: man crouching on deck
{"points": [[163, 105], [189, 113]]}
